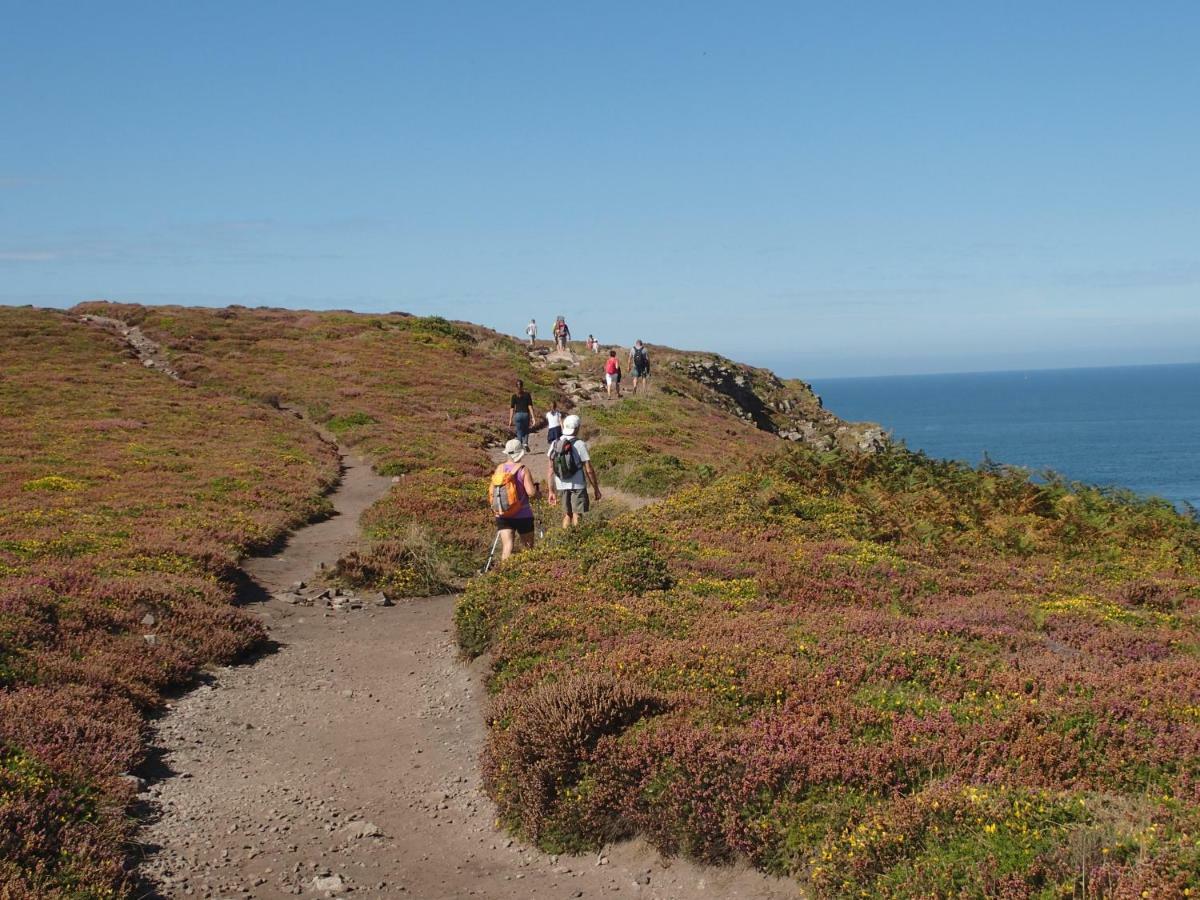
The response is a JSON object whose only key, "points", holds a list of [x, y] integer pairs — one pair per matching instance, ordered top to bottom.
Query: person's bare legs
{"points": [[506, 543], [524, 543]]}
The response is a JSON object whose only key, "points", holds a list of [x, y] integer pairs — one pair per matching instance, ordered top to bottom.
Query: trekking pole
{"points": [[491, 554]]}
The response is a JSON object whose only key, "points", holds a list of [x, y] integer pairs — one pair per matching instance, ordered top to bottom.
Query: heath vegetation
{"points": [[421, 397], [126, 502], [881, 674], [884, 675]]}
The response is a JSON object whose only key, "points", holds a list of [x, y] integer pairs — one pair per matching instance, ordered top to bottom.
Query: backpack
{"points": [[639, 357], [566, 459], [503, 495]]}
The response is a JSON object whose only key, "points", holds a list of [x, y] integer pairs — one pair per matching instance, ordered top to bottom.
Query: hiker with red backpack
{"points": [[612, 373], [569, 472], [509, 495]]}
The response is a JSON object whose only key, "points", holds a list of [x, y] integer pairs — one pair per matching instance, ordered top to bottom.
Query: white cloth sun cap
{"points": [[570, 425], [514, 450]]}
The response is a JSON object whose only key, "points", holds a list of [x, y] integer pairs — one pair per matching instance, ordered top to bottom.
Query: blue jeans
{"points": [[521, 423]]}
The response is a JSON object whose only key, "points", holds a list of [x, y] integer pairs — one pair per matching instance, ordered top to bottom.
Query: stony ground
{"points": [[344, 763]]}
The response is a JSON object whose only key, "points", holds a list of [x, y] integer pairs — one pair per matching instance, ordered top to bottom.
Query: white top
{"points": [[531, 329], [553, 419], [578, 481]]}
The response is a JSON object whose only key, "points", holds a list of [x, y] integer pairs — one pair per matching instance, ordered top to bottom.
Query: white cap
{"points": [[570, 425], [514, 450]]}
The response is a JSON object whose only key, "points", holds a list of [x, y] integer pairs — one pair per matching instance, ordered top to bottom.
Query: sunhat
{"points": [[570, 425], [514, 450]]}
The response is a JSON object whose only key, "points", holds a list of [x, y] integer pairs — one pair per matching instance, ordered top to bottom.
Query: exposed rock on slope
{"points": [[788, 408]]}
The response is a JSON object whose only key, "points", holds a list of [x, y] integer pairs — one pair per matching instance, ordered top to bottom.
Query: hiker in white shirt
{"points": [[553, 423], [569, 471]]}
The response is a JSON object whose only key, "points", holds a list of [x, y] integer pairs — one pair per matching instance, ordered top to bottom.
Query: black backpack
{"points": [[639, 357], [566, 459]]}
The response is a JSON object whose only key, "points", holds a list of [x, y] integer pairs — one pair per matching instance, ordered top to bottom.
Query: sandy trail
{"points": [[345, 763]]}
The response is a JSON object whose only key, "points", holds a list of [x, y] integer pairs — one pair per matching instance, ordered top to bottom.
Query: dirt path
{"points": [[346, 761]]}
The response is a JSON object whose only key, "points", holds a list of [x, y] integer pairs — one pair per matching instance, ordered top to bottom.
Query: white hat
{"points": [[570, 425], [514, 450]]}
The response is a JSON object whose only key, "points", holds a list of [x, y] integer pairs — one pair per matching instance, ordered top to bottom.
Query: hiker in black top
{"points": [[520, 413]]}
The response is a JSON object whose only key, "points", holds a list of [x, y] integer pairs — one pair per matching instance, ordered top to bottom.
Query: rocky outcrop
{"points": [[736, 387], [788, 408]]}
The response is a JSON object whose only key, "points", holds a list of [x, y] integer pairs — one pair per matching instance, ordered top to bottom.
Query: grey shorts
{"points": [[575, 501]]}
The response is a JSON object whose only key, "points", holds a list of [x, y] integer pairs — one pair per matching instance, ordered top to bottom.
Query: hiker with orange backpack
{"points": [[509, 495]]}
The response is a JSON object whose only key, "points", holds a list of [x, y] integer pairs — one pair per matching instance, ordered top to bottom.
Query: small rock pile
{"points": [[301, 594]]}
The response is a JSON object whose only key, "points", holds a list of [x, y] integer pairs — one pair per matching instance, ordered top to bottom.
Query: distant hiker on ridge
{"points": [[531, 331], [562, 333], [639, 361], [612, 373], [520, 413], [569, 471], [508, 495]]}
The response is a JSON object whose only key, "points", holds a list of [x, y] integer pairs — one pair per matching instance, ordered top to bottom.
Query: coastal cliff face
{"points": [[788, 408]]}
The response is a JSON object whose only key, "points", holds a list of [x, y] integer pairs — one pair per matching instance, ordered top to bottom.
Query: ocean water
{"points": [[1136, 427]]}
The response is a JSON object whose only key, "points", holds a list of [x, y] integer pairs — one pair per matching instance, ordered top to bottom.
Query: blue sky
{"points": [[832, 189]]}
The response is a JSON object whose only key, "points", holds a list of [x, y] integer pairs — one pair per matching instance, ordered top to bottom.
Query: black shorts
{"points": [[520, 526]]}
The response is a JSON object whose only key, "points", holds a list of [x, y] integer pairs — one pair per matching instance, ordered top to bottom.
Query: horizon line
{"points": [[1031, 371]]}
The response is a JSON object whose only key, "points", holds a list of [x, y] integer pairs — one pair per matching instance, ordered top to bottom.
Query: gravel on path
{"points": [[345, 763]]}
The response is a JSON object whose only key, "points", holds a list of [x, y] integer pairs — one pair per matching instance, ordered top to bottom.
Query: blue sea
{"points": [[1136, 427]]}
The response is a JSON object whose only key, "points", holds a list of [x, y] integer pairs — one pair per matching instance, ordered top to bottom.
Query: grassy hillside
{"points": [[422, 397], [704, 414], [129, 498], [126, 501], [884, 675]]}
